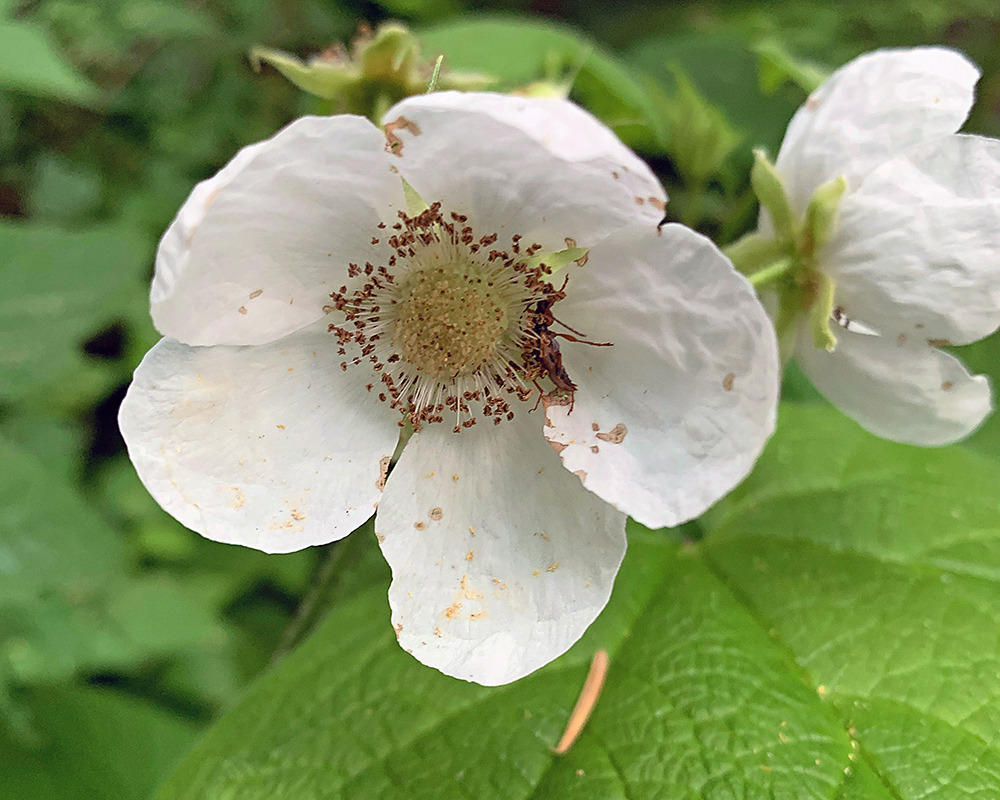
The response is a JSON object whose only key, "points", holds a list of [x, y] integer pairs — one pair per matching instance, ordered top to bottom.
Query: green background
{"points": [[831, 630]]}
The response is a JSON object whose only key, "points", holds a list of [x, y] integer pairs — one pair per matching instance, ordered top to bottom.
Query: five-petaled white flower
{"points": [[892, 224], [310, 312]]}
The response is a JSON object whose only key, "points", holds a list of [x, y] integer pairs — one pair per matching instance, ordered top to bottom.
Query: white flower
{"points": [[900, 246], [307, 317]]}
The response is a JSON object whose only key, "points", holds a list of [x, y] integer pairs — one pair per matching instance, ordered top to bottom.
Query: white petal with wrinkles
{"points": [[871, 109], [541, 168], [917, 248], [256, 250], [915, 394], [674, 414], [272, 446], [500, 559]]}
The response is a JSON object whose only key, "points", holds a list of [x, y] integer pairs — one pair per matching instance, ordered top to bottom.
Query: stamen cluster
{"points": [[449, 323]]}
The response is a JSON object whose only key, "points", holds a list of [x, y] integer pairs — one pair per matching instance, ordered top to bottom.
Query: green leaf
{"points": [[520, 52], [31, 63], [778, 66], [723, 70], [699, 136], [61, 288], [879, 565], [833, 636], [350, 715], [91, 743]]}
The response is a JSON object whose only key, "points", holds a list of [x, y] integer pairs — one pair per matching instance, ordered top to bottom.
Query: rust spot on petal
{"points": [[393, 144], [616, 435], [383, 472], [436, 514], [420, 525], [452, 611]]}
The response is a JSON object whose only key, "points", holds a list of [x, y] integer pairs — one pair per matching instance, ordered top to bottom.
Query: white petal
{"points": [[871, 109], [542, 168], [917, 250], [255, 251], [920, 396], [674, 414], [271, 446], [500, 560]]}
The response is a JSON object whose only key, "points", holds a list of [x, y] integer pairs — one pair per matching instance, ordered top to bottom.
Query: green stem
{"points": [[771, 272]]}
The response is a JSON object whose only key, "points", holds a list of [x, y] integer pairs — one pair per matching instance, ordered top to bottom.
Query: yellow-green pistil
{"points": [[449, 319]]}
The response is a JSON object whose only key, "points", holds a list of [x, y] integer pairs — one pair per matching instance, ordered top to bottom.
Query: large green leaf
{"points": [[520, 52], [31, 63], [60, 288], [833, 636], [89, 743]]}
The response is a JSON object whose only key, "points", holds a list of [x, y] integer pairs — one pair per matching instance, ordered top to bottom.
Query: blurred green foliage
{"points": [[121, 633]]}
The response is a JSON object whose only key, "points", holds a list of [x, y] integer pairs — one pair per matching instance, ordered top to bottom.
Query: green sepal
{"points": [[391, 55], [320, 76], [771, 194], [415, 204], [821, 216], [754, 252], [554, 262], [821, 311]]}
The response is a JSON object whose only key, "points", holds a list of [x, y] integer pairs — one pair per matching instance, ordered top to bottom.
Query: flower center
{"points": [[449, 319], [452, 323]]}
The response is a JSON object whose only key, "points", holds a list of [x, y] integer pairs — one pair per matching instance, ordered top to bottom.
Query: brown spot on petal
{"points": [[812, 103], [393, 144], [640, 200], [657, 203], [570, 243], [256, 293], [242, 309], [901, 340], [939, 342], [727, 382], [947, 386], [594, 426], [616, 435], [558, 446], [595, 449], [383, 472], [581, 474], [239, 499], [436, 514], [420, 525], [472, 531], [380, 537], [471, 555], [552, 567], [452, 611], [398, 627]]}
